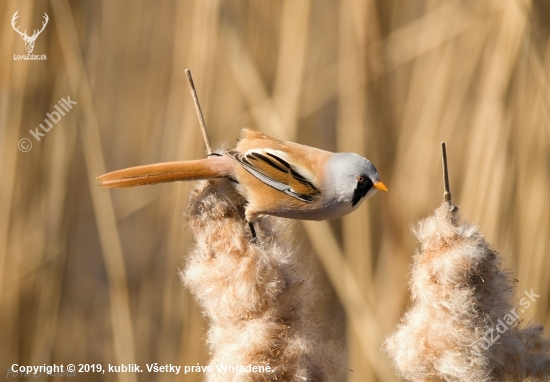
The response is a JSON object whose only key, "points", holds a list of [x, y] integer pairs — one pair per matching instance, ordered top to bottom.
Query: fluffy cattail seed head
{"points": [[258, 296], [461, 325]]}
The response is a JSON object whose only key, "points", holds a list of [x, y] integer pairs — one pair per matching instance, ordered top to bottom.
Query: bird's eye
{"points": [[360, 179]]}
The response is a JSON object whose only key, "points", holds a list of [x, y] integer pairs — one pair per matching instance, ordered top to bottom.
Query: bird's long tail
{"points": [[211, 168]]}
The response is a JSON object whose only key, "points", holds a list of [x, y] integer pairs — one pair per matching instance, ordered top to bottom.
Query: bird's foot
{"points": [[253, 232]]}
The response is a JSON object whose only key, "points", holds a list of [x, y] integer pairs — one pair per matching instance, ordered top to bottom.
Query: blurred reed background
{"points": [[89, 275]]}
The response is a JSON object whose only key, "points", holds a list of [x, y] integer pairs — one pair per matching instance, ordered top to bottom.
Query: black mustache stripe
{"points": [[361, 190]]}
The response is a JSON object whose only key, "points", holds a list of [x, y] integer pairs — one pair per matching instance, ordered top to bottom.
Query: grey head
{"points": [[352, 178]]}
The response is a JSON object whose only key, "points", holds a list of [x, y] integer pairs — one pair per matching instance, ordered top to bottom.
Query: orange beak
{"points": [[380, 186]]}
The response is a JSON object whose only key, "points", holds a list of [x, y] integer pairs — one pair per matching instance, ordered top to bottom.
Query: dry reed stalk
{"points": [[196, 28], [500, 59], [290, 63], [15, 78], [248, 79], [351, 132], [531, 142], [49, 281], [258, 297], [121, 317], [462, 326]]}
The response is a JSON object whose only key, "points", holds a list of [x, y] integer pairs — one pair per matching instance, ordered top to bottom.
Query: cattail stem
{"points": [[199, 111], [447, 193]]}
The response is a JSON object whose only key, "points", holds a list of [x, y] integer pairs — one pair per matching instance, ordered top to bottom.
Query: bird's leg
{"points": [[252, 231]]}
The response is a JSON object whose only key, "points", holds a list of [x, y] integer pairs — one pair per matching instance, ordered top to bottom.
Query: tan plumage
{"points": [[276, 177]]}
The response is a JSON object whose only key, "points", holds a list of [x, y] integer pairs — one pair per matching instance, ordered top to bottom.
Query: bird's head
{"points": [[352, 178]]}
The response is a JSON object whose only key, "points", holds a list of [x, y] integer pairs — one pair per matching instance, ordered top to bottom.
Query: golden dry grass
{"points": [[89, 275]]}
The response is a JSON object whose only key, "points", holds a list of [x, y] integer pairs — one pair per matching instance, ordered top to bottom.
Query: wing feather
{"points": [[276, 172]]}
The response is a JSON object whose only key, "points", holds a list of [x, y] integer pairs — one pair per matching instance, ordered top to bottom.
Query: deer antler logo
{"points": [[29, 40]]}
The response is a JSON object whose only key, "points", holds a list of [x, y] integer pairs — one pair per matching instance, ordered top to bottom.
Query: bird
{"points": [[276, 177]]}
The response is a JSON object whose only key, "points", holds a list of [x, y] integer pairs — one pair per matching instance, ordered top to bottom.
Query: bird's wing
{"points": [[270, 167]]}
